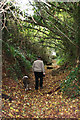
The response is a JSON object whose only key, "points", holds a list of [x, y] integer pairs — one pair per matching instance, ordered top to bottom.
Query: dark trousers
{"points": [[37, 76]]}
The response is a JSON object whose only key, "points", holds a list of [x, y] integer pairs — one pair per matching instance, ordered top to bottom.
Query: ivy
{"points": [[70, 86]]}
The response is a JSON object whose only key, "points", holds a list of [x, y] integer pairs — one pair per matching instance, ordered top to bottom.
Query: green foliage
{"points": [[52, 25], [19, 49], [54, 56], [66, 56], [62, 58], [61, 61], [23, 63], [18, 65], [12, 72], [70, 86]]}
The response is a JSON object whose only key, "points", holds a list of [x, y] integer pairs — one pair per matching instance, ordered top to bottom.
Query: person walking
{"points": [[38, 69]]}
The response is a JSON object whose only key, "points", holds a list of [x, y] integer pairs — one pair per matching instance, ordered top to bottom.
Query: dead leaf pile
{"points": [[38, 104]]}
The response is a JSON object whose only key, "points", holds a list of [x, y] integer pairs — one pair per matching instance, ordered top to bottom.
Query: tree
{"points": [[58, 19], [62, 20], [77, 21], [53, 25], [19, 50]]}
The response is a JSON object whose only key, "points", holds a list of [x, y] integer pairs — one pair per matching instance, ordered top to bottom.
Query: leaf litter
{"points": [[38, 104]]}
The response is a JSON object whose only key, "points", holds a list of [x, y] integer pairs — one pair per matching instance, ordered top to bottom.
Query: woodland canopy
{"points": [[54, 26]]}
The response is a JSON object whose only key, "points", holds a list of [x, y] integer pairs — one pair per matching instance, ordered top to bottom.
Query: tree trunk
{"points": [[78, 38]]}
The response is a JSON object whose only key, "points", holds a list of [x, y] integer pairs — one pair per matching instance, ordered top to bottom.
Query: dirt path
{"points": [[38, 104]]}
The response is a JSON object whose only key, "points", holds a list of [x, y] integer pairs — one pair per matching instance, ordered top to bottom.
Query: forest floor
{"points": [[38, 104]]}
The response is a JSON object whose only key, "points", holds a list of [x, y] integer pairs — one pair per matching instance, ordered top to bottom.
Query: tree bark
{"points": [[78, 39]]}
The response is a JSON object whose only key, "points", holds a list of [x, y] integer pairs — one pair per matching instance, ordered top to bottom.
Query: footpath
{"points": [[44, 103]]}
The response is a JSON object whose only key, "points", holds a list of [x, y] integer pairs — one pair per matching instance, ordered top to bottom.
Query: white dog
{"points": [[26, 82]]}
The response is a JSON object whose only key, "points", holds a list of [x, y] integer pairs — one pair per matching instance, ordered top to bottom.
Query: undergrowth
{"points": [[16, 63], [70, 86]]}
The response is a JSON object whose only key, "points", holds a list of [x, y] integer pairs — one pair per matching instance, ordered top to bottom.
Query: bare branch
{"points": [[58, 7], [15, 17], [56, 18], [4, 23], [58, 30]]}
